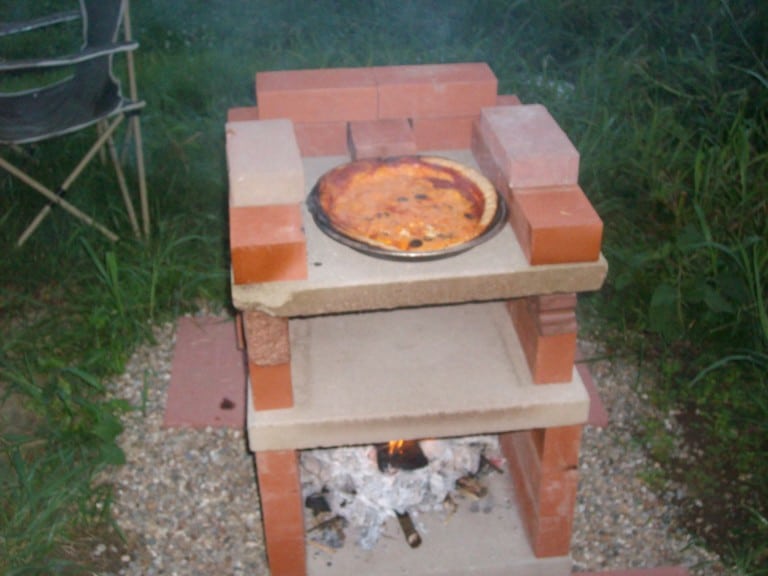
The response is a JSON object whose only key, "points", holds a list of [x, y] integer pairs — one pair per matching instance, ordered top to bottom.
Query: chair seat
{"points": [[55, 110]]}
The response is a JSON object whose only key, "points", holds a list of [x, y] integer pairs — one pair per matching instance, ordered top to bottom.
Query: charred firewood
{"points": [[487, 466], [471, 485], [317, 503], [450, 506], [333, 522], [330, 532], [412, 535]]}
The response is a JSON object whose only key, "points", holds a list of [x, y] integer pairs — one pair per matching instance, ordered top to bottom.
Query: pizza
{"points": [[407, 203]]}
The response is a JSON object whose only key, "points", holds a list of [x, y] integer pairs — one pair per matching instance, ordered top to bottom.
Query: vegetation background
{"points": [[666, 101]]}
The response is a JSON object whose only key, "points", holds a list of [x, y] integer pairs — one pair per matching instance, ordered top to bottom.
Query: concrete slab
{"points": [[264, 163], [343, 280], [412, 373], [208, 375], [483, 538]]}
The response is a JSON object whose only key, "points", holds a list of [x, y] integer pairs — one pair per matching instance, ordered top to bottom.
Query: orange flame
{"points": [[395, 446]]}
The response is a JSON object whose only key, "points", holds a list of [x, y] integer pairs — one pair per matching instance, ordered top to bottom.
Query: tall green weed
{"points": [[681, 182]]}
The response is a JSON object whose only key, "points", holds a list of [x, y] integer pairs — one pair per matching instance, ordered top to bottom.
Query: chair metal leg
{"points": [[136, 121], [142, 176], [123, 187], [54, 199]]}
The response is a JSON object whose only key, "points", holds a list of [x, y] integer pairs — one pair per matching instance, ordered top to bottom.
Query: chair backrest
{"points": [[101, 20], [91, 92]]}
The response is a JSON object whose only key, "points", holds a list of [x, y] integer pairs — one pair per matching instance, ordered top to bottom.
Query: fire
{"points": [[396, 447], [400, 455]]}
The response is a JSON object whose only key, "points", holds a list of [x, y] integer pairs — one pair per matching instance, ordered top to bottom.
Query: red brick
{"points": [[437, 90], [319, 95], [508, 100], [243, 114], [447, 133], [321, 138], [380, 138], [529, 146], [486, 161], [264, 163], [556, 225], [267, 243], [558, 301], [554, 313], [554, 322], [525, 326], [267, 338], [551, 355], [555, 356], [208, 376], [271, 386], [558, 447], [544, 452], [525, 461], [519, 468], [278, 470], [545, 476], [558, 496], [280, 497], [282, 513], [283, 517], [283, 523], [553, 537], [287, 558], [660, 571]]}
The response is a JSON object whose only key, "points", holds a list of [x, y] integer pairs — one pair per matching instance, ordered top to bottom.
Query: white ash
{"points": [[355, 488]]}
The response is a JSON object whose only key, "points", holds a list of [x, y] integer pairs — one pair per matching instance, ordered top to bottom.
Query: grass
{"points": [[666, 103]]}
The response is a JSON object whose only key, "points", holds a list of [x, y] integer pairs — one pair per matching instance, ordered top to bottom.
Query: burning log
{"points": [[400, 455], [412, 535]]}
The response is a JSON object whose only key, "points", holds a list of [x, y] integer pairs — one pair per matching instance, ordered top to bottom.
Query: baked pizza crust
{"points": [[486, 188], [407, 203]]}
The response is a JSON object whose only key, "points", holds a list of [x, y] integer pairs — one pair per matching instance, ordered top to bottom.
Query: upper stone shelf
{"points": [[339, 279]]}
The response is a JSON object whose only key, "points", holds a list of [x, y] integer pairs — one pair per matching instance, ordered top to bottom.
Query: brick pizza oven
{"points": [[348, 349]]}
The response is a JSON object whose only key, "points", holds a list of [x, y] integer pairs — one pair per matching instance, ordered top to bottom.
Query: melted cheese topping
{"points": [[407, 203]]}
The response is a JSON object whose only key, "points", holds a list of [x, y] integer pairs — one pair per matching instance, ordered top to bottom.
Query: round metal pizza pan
{"points": [[324, 224]]}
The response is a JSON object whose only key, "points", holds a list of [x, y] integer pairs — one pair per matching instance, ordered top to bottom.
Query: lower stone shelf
{"points": [[412, 373], [484, 537]]}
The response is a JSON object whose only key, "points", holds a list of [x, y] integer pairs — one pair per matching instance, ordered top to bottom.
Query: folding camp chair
{"points": [[89, 96]]}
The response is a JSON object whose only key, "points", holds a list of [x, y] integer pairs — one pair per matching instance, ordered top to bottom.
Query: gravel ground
{"points": [[187, 500]]}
